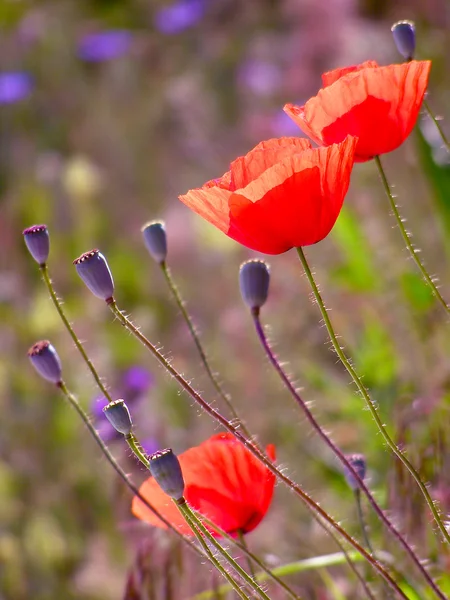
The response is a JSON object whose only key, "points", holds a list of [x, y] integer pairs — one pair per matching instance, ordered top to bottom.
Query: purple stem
{"points": [[256, 452], [340, 455]]}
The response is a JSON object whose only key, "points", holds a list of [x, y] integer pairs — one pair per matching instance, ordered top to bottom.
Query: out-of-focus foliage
{"points": [[108, 110]]}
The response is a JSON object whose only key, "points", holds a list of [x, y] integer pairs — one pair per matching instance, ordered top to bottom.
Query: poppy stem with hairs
{"points": [[437, 124], [407, 239], [58, 305], [181, 305], [365, 394], [73, 401], [329, 442], [251, 446], [135, 448], [115, 465], [191, 517], [195, 530], [243, 542], [251, 557]]}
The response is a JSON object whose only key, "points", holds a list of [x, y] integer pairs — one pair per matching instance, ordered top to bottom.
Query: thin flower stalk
{"points": [[437, 124], [407, 239], [73, 335], [213, 378], [369, 403], [248, 443], [335, 449], [115, 465], [187, 512], [239, 543], [207, 551], [272, 575]]}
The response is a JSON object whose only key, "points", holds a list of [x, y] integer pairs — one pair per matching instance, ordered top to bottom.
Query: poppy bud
{"points": [[404, 33], [155, 240], [38, 242], [94, 271], [254, 279], [45, 360], [118, 415], [358, 462], [166, 470]]}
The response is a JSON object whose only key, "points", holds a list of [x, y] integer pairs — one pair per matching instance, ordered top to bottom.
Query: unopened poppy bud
{"points": [[404, 33], [155, 240], [38, 242], [94, 271], [254, 279], [45, 360], [118, 415], [358, 462], [166, 470]]}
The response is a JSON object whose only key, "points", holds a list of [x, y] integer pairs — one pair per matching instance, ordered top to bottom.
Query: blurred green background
{"points": [[110, 110]]}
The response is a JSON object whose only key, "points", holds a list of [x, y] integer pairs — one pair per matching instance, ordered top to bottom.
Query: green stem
{"points": [[437, 124], [407, 239], [73, 335], [219, 389], [370, 405], [251, 446], [136, 449], [115, 465], [186, 511], [362, 521], [243, 542], [250, 556], [301, 566], [233, 583]]}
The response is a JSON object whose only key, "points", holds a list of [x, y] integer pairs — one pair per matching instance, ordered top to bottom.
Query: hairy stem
{"points": [[213, 378], [249, 444]]}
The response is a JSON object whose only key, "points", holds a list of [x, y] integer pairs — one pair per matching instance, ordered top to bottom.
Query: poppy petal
{"points": [[330, 77], [379, 105], [247, 168], [211, 203], [268, 209], [221, 478], [162, 503]]}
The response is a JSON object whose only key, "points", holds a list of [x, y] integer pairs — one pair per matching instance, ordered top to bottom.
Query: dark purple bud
{"points": [[404, 33], [155, 240], [38, 242], [94, 271], [254, 279], [45, 360], [118, 415], [358, 462], [166, 469]]}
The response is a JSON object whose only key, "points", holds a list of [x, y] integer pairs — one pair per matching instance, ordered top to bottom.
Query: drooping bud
{"points": [[404, 33], [155, 240], [38, 242], [94, 271], [254, 279], [45, 360], [118, 415], [358, 462], [166, 469]]}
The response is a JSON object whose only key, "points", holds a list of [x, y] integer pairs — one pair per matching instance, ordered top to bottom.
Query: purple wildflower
{"points": [[179, 16], [104, 45], [14, 86], [136, 380]]}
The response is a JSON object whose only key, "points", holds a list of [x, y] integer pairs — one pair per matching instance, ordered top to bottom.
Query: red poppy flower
{"points": [[378, 105], [282, 194], [224, 482]]}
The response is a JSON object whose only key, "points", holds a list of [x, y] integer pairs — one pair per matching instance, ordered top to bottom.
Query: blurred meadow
{"points": [[109, 109]]}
